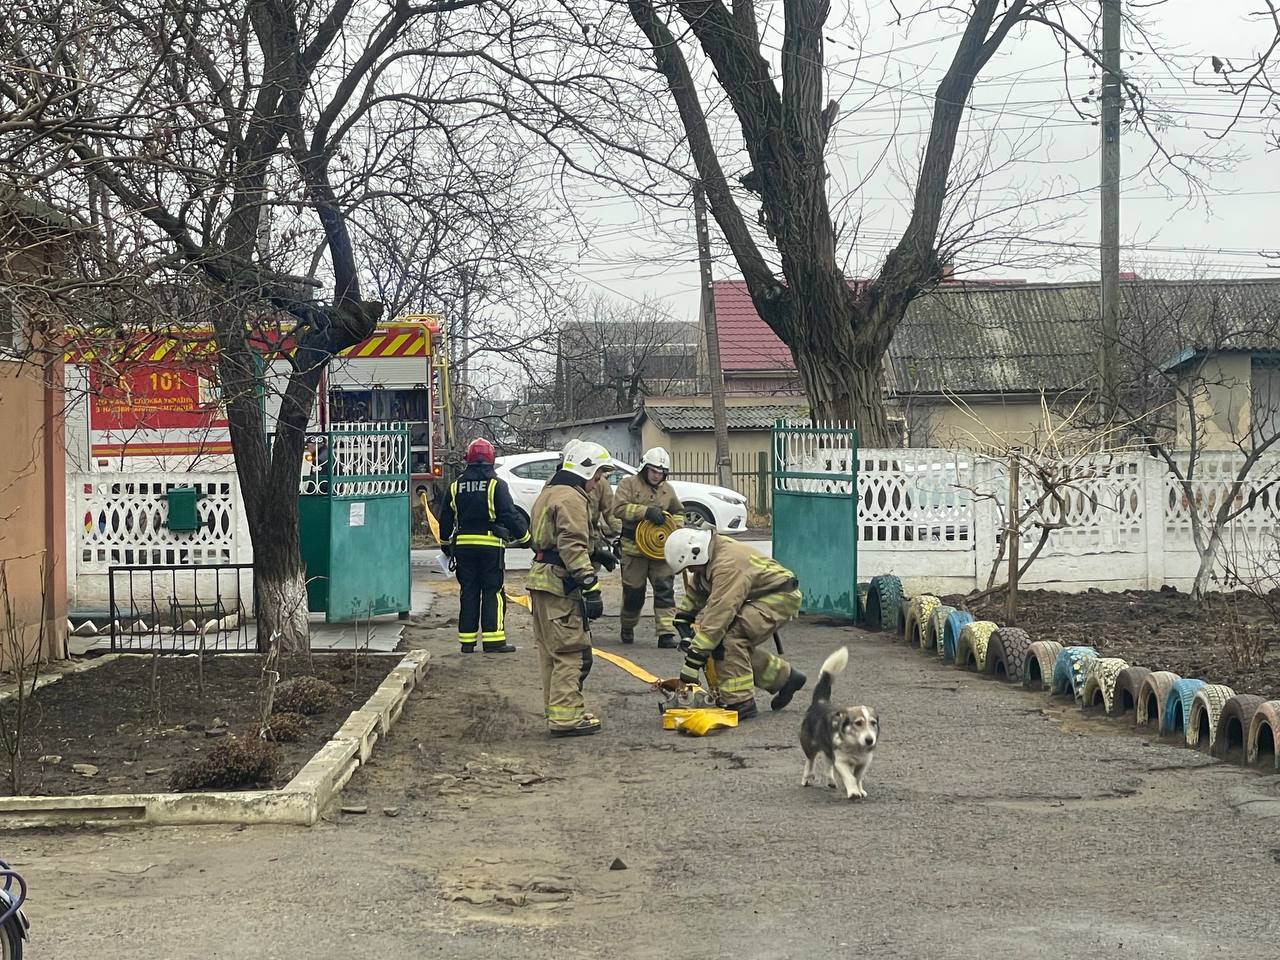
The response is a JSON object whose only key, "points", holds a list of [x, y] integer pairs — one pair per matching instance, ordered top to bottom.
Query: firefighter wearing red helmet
{"points": [[477, 522]]}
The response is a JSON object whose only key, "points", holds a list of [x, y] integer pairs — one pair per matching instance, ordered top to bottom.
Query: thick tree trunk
{"points": [[840, 371], [269, 478], [279, 576]]}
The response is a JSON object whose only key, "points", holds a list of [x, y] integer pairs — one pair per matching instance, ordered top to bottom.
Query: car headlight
{"points": [[730, 499]]}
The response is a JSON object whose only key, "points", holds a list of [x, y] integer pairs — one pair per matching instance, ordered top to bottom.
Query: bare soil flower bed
{"points": [[1161, 630], [107, 718]]}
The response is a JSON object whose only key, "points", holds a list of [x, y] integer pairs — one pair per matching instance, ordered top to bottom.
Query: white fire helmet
{"points": [[656, 457], [584, 458], [687, 547]]}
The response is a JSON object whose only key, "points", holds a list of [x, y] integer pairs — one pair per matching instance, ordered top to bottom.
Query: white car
{"points": [[719, 507]]}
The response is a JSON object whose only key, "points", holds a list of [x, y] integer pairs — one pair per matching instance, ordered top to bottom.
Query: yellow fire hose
{"points": [[651, 538], [695, 721]]}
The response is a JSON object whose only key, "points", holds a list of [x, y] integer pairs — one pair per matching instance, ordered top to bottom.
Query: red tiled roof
{"points": [[746, 342]]}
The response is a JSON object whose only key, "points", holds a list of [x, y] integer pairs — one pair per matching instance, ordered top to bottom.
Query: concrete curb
{"points": [[80, 666], [299, 802]]}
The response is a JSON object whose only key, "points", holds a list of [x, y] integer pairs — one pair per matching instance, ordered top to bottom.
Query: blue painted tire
{"points": [[884, 598], [956, 622], [1070, 670], [1177, 706]]}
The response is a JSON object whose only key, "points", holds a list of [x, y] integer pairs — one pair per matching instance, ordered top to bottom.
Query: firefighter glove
{"points": [[655, 515], [501, 532], [617, 549], [605, 558], [592, 601], [684, 616], [684, 628], [694, 661]]}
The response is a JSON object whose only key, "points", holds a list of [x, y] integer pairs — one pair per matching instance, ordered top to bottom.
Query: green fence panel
{"points": [[815, 514], [355, 523], [369, 546]]}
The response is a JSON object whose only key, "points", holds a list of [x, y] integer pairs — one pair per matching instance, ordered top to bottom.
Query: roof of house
{"points": [[1026, 338], [756, 416]]}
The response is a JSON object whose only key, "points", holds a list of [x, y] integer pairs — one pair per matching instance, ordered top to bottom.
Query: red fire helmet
{"points": [[480, 450]]}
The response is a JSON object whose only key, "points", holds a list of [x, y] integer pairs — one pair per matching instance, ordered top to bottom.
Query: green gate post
{"points": [[815, 523]]}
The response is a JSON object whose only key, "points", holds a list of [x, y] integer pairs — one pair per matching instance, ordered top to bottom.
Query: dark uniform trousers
{"points": [[480, 577]]}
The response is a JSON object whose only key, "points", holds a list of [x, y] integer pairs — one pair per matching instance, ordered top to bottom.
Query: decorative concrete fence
{"points": [[121, 519], [935, 519]]}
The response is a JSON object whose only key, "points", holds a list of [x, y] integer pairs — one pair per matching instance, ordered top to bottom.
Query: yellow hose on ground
{"points": [[651, 538]]}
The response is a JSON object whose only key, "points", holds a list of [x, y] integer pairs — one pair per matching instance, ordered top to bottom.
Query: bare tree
{"points": [[235, 150], [837, 332], [615, 354], [1199, 395]]}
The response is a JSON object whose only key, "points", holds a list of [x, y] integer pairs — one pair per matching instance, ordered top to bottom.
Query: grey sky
{"points": [[1022, 94]]}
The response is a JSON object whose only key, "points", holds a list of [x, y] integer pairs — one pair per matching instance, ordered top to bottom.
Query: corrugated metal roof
{"points": [[1002, 339], [747, 417]]}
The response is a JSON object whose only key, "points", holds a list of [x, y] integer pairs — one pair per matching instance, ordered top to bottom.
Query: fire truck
{"points": [[154, 402]]}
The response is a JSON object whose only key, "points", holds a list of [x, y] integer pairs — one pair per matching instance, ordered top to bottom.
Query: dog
{"points": [[845, 739]]}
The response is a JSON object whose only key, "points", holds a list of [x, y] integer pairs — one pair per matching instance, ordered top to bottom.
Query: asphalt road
{"points": [[997, 826]]}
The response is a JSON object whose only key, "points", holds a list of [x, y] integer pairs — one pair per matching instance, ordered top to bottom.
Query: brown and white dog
{"points": [[845, 739]]}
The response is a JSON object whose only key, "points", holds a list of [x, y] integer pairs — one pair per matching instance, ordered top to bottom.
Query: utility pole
{"points": [[1109, 367], [724, 466]]}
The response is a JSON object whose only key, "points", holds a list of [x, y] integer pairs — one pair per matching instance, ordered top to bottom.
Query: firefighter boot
{"points": [[628, 635], [667, 641], [468, 647], [500, 647], [789, 690], [745, 710]]}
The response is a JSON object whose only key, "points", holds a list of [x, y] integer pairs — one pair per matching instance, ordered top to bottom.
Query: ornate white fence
{"points": [[935, 518], [121, 519]]}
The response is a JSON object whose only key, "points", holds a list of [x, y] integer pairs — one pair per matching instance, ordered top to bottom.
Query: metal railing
{"points": [[181, 609]]}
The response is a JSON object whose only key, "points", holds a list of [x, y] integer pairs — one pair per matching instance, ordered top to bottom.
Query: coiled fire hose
{"points": [[651, 538]]}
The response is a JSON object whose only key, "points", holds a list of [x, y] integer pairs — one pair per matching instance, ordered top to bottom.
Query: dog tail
{"points": [[831, 666]]}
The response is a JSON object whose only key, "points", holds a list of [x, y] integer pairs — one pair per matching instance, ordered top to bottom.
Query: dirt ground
{"points": [[1163, 630], [106, 717], [998, 824]]}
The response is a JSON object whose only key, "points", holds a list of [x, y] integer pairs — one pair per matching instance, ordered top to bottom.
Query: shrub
{"points": [[305, 695], [286, 727], [232, 764]]}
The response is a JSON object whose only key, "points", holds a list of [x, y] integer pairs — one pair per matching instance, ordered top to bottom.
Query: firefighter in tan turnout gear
{"points": [[647, 496], [564, 593], [735, 601]]}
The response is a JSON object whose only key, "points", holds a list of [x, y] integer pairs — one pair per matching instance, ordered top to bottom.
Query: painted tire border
{"points": [[884, 598], [931, 642], [1007, 649], [1037, 666], [1100, 682], [1154, 692], [1124, 698], [1206, 705], [1177, 706], [1239, 710], [1265, 718]]}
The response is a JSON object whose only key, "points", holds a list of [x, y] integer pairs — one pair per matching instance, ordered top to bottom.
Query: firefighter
{"points": [[647, 496], [477, 520], [605, 551], [564, 592], [739, 599]]}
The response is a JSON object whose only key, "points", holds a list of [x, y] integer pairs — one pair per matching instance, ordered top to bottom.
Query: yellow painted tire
{"points": [[918, 614], [971, 648]]}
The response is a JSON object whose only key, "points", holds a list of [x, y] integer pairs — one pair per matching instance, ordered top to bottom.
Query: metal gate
{"points": [[815, 511], [353, 513]]}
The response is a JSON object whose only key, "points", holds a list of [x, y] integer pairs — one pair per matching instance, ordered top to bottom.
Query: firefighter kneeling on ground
{"points": [[647, 496], [477, 521], [564, 594], [735, 601]]}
